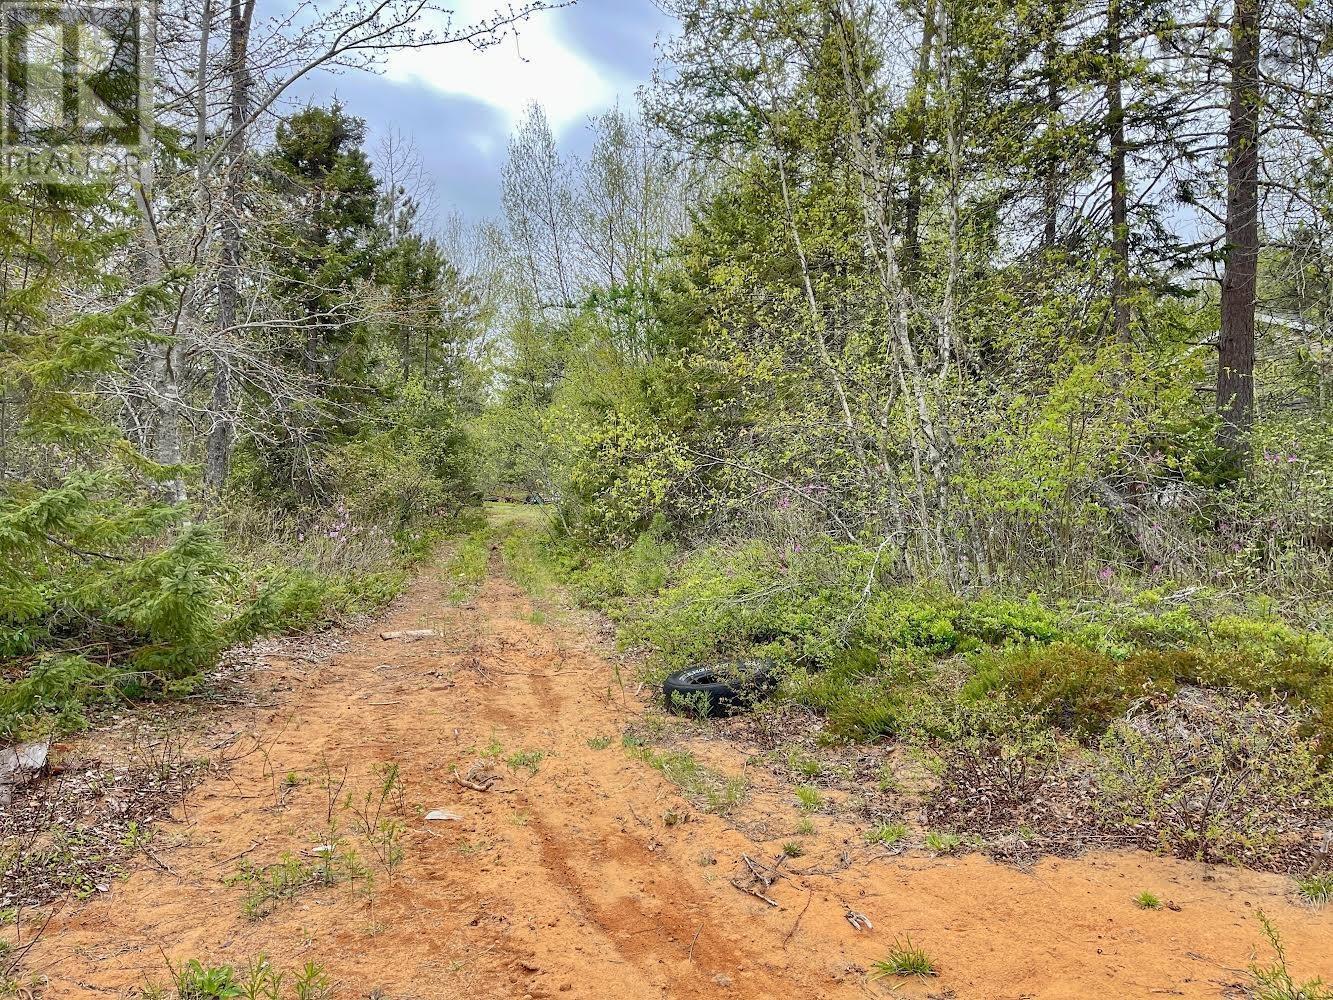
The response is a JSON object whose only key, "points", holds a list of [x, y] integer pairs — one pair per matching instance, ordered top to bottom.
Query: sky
{"points": [[458, 106]]}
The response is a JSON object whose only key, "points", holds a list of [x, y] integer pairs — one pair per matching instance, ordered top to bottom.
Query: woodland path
{"points": [[578, 879]]}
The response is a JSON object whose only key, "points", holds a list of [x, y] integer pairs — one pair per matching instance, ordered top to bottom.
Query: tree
{"points": [[1235, 347], [105, 590]]}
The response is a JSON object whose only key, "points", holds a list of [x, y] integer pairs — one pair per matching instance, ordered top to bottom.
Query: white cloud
{"points": [[535, 66]]}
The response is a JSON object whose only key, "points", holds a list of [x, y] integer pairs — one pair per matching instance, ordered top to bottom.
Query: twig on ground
{"points": [[478, 779], [761, 877], [810, 894], [858, 920]]}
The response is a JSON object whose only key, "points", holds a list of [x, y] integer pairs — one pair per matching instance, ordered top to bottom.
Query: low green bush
{"points": [[633, 573], [102, 594], [298, 600], [734, 601], [127, 606], [911, 621], [997, 621], [1066, 686], [863, 696]]}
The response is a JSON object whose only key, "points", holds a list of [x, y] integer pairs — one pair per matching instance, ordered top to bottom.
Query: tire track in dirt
{"points": [[589, 869]]}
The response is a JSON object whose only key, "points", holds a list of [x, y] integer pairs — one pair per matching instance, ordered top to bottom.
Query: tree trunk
{"points": [[1115, 120], [916, 124], [1051, 185], [164, 362], [1235, 362], [222, 434]]}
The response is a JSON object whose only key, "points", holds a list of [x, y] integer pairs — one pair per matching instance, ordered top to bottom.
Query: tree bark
{"points": [[1235, 362]]}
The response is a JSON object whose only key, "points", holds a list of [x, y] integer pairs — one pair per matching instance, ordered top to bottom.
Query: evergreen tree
{"points": [[105, 589]]}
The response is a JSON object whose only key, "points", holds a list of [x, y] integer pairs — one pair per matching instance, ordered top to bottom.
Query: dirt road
{"points": [[582, 873]]}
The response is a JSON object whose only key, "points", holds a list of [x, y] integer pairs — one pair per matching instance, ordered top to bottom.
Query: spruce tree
{"points": [[106, 590]]}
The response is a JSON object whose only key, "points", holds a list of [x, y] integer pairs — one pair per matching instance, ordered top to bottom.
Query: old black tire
{"points": [[718, 690]]}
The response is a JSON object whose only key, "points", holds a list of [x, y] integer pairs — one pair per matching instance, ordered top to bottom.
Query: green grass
{"points": [[530, 565], [466, 567], [599, 743], [526, 760], [803, 764], [711, 790], [808, 798], [887, 834], [943, 843], [793, 849], [267, 887], [1316, 889], [1147, 901], [904, 959]]}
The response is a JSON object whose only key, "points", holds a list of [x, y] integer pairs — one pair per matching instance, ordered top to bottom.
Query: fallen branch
{"points": [[478, 779], [761, 877], [753, 890], [858, 920]]}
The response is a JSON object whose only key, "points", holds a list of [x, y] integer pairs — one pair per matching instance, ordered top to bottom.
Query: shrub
{"points": [[635, 572], [100, 599], [297, 600], [734, 601], [907, 621], [997, 621], [942, 625], [1174, 629], [1069, 687], [862, 695], [995, 763], [1212, 776], [197, 981], [1275, 981]]}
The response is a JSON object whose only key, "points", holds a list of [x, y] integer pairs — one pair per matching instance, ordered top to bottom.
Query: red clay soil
{"points": [[580, 880]]}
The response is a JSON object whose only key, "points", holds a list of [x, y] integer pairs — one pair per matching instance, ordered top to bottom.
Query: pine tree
{"points": [[105, 589]]}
